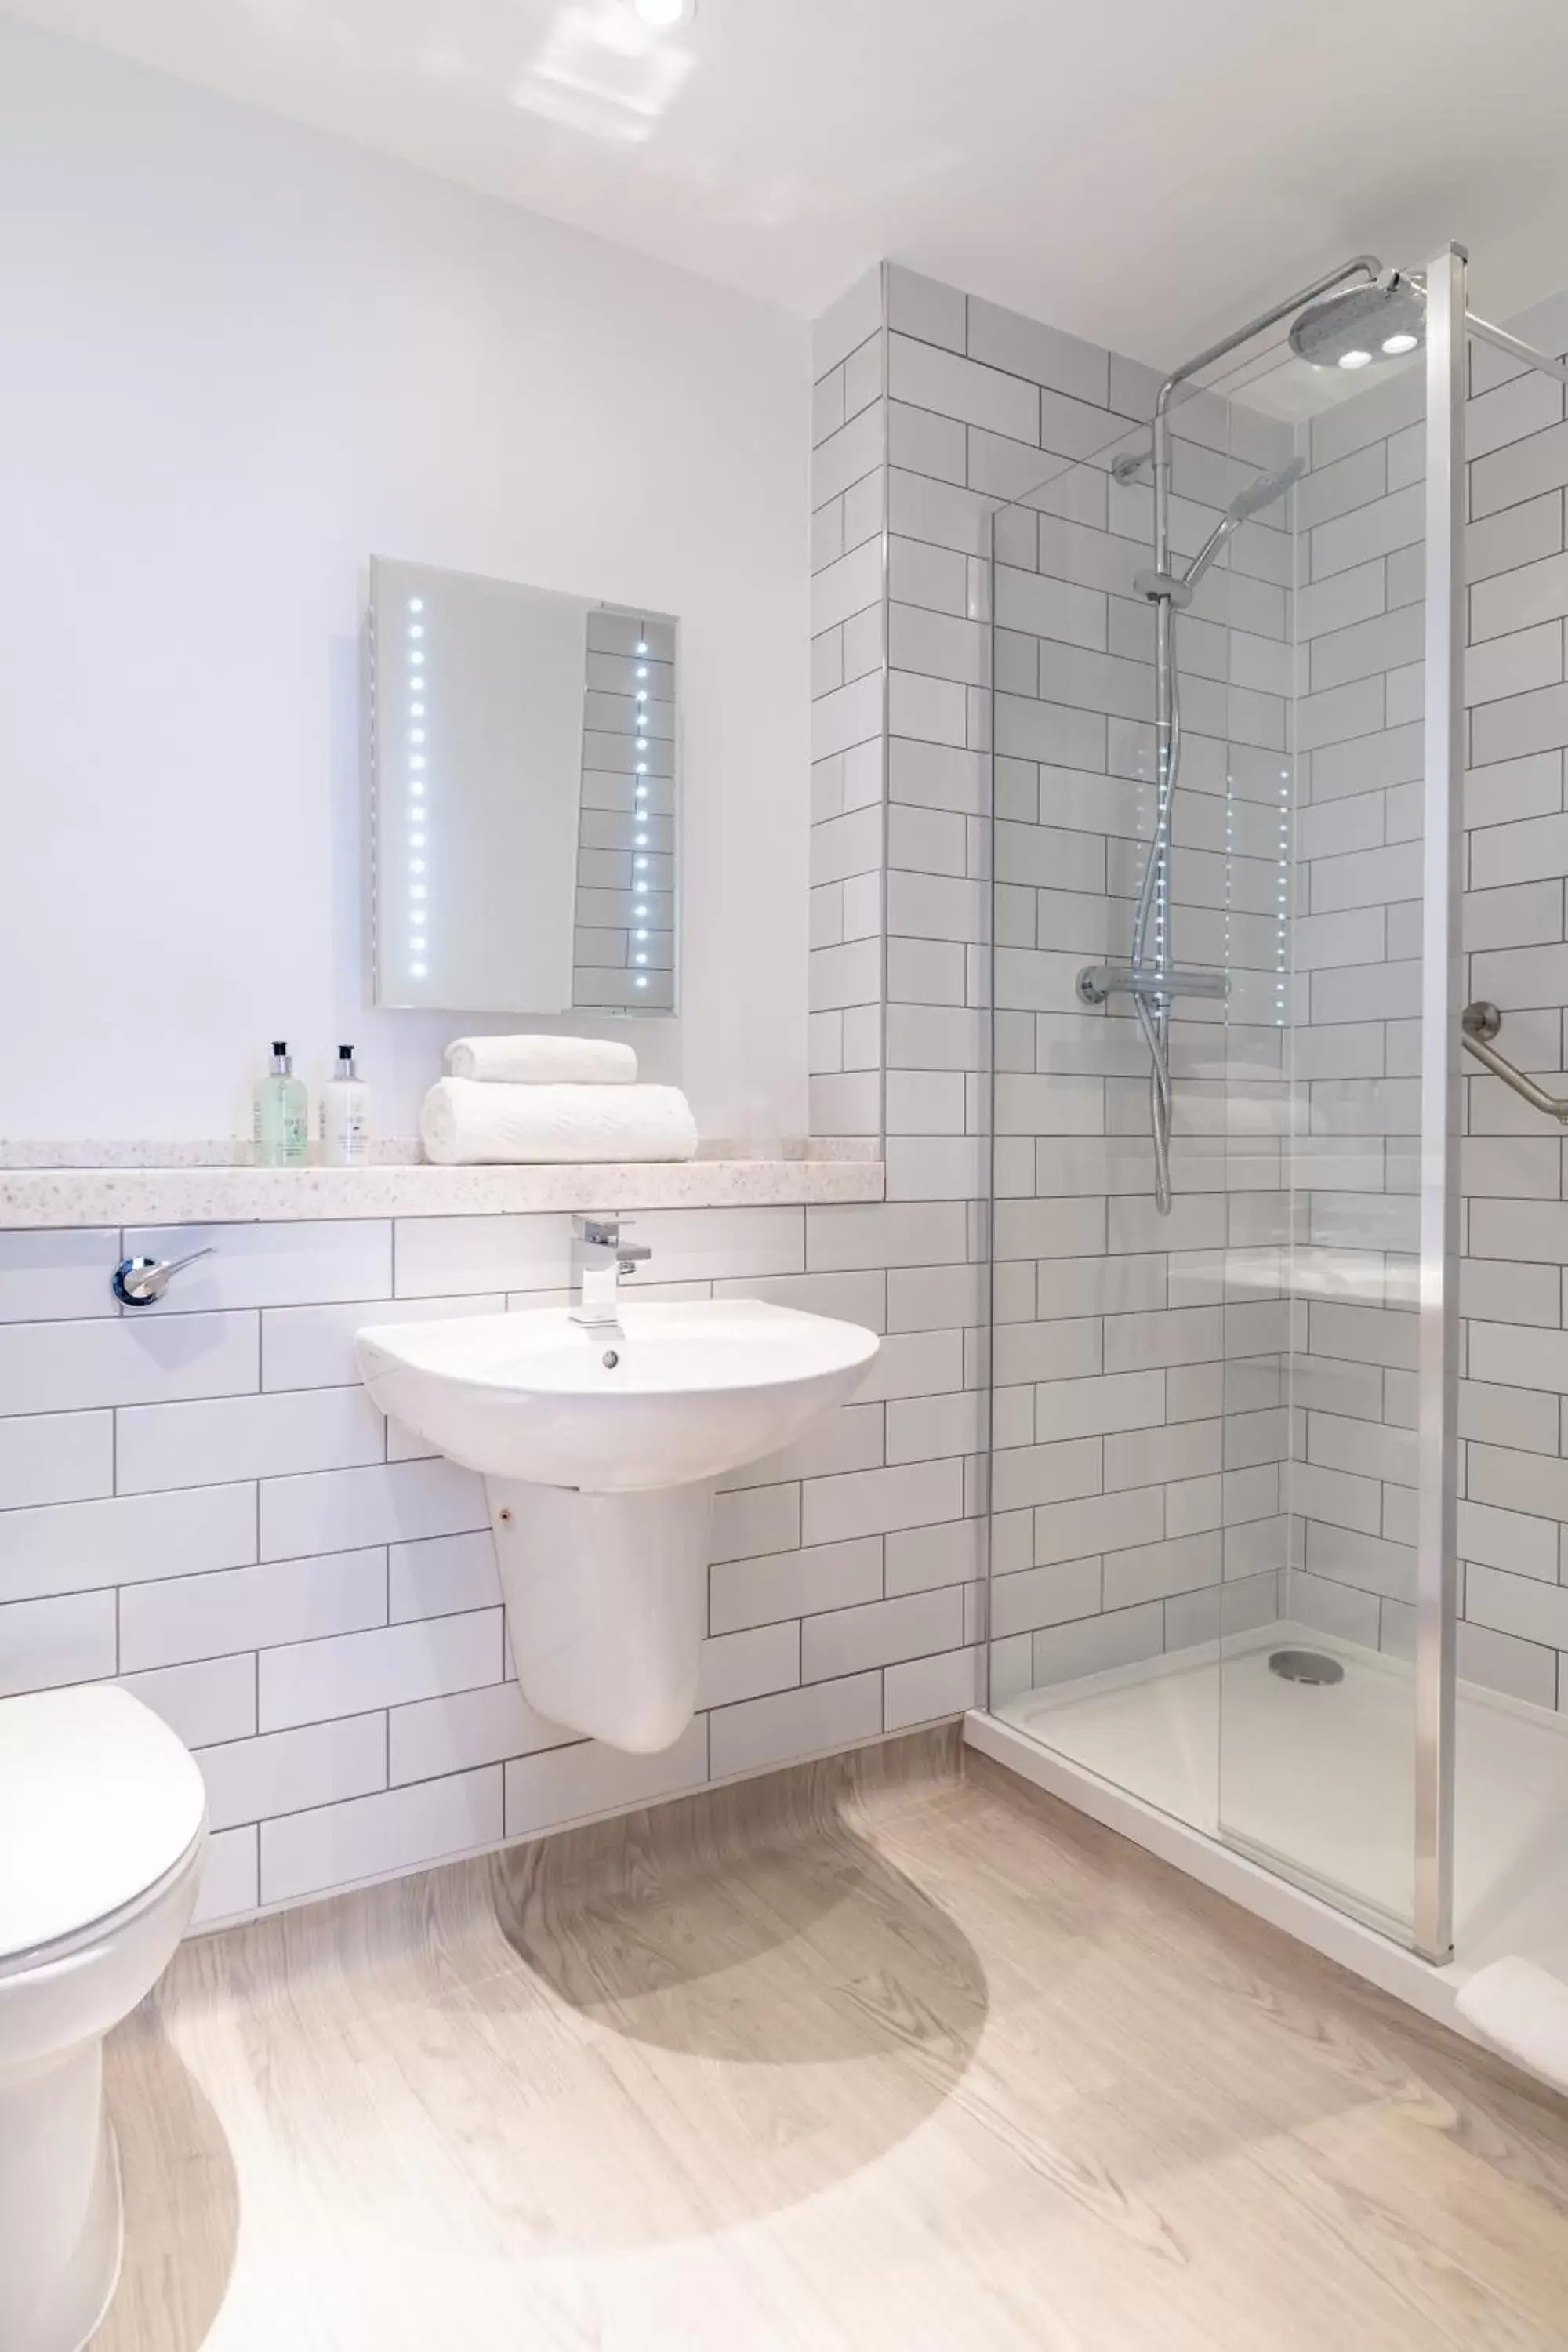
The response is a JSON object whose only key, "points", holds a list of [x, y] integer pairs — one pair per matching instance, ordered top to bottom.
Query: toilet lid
{"points": [[99, 1801]]}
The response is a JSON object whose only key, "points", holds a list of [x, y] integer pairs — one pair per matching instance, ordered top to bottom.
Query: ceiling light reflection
{"points": [[606, 70]]}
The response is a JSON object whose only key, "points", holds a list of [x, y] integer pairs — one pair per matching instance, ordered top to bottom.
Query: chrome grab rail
{"points": [[1479, 1024]]}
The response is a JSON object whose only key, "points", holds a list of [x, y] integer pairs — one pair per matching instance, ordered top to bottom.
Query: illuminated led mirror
{"points": [[524, 833]]}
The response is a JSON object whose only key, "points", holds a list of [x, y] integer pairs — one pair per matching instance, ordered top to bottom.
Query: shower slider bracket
{"points": [[1155, 584], [1097, 981], [1479, 1024]]}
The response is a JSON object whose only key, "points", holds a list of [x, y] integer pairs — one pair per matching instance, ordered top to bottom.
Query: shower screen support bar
{"points": [[1499, 338], [1442, 995], [1479, 1025]]}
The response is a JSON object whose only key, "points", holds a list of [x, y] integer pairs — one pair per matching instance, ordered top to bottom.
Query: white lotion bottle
{"points": [[345, 1116]]}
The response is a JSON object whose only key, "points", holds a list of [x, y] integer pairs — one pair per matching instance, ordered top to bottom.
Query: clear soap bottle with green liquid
{"points": [[282, 1122]]}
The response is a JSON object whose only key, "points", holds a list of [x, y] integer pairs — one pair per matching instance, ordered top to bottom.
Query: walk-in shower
{"points": [[1358, 316], [1379, 317], [1228, 735]]}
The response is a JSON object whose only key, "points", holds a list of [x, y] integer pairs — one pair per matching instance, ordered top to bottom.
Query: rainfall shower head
{"points": [[1361, 325], [1250, 501]]}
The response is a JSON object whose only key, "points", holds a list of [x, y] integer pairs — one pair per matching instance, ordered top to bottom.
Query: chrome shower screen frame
{"points": [[1420, 1157], [1436, 1598]]}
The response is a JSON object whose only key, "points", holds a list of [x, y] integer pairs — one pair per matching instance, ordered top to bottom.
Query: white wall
{"points": [[238, 357]]}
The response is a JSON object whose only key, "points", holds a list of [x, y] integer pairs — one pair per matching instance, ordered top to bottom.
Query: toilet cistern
{"points": [[599, 1258]]}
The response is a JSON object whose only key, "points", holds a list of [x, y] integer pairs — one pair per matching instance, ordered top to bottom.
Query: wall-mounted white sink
{"points": [[666, 1396], [600, 1446]]}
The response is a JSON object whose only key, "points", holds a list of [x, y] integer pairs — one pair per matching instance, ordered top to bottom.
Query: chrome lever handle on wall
{"points": [[1479, 1024], [139, 1281]]}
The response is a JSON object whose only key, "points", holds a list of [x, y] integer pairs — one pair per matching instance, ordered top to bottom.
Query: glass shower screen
{"points": [[1223, 1436]]}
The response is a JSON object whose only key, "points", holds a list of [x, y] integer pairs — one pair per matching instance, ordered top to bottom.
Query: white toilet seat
{"points": [[100, 1807], [102, 1832], [113, 1923]]}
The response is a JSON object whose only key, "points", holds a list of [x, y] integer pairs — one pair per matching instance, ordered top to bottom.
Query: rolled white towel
{"points": [[543, 1060], [463, 1123], [1522, 2010]]}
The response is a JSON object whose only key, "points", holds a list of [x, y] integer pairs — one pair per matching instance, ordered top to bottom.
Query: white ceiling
{"points": [[1145, 172]]}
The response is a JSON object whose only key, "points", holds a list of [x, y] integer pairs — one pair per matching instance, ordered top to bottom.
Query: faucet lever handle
{"points": [[177, 1264], [141, 1281]]}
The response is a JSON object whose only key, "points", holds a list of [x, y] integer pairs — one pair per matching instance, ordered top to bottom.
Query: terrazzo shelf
{"points": [[240, 1195]]}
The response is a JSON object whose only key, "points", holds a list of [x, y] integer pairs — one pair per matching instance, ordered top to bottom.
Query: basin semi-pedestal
{"points": [[601, 1446], [605, 1600]]}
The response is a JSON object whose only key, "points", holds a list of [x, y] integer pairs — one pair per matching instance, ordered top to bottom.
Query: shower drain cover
{"points": [[1306, 1666]]}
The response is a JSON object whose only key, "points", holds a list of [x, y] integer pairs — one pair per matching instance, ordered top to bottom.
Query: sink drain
{"points": [[1306, 1666]]}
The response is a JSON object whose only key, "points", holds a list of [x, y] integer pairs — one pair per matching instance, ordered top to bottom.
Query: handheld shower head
{"points": [[1266, 490], [1250, 501]]}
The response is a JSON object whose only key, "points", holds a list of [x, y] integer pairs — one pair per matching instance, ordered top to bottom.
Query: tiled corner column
{"points": [[849, 686], [939, 745], [900, 849], [1135, 1468]]}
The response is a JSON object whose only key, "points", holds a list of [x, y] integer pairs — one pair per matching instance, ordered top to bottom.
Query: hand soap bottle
{"points": [[345, 1116], [283, 1123]]}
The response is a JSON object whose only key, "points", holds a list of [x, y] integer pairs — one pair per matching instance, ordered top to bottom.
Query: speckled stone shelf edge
{"points": [[400, 1151], [42, 1197]]}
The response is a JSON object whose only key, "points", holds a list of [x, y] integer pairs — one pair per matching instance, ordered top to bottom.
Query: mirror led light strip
{"points": [[639, 800], [418, 892]]}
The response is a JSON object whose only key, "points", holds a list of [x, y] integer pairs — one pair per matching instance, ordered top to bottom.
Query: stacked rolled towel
{"points": [[543, 1060], [511, 1099]]}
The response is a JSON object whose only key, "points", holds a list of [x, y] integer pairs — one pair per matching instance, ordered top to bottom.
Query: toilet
{"points": [[103, 1827]]}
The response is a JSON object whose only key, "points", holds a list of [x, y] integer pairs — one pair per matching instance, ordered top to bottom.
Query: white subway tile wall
{"points": [[1358, 847], [1357, 946], [1514, 1174], [1197, 1403], [1191, 1405], [1131, 1470], [198, 1500]]}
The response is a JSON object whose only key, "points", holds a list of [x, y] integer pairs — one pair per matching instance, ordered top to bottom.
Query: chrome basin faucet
{"points": [[599, 1258]]}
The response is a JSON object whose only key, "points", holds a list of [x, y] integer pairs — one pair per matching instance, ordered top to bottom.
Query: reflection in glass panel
{"points": [[1208, 735]]}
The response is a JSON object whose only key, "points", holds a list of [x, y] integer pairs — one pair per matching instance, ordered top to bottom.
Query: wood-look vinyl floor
{"points": [[888, 2052]]}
